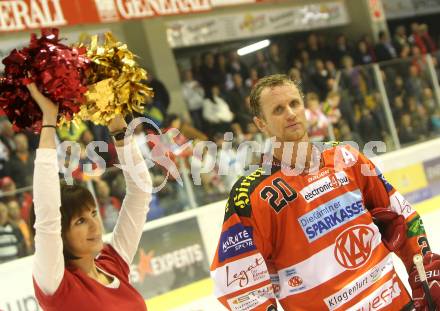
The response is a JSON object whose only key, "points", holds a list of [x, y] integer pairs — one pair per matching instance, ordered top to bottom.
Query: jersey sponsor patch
{"points": [[324, 185], [240, 198], [331, 215], [415, 227], [237, 240], [353, 247], [240, 274], [360, 284], [380, 298], [251, 299]]}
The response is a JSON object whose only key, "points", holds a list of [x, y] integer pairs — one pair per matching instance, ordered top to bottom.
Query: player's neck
{"points": [[295, 154]]}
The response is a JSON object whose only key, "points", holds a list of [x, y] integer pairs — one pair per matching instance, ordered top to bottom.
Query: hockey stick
{"points": [[418, 262]]}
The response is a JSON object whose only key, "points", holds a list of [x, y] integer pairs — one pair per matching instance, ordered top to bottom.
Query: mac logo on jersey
{"points": [[353, 246]]}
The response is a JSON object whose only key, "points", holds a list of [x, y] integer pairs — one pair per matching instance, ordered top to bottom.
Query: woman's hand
{"points": [[49, 109], [117, 124]]}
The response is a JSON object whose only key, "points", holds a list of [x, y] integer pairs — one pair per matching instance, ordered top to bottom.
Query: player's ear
{"points": [[261, 124]]}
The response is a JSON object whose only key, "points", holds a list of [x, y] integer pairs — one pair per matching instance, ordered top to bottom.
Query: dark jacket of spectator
{"points": [[385, 49]]}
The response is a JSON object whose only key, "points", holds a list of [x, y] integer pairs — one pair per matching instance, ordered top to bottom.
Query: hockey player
{"points": [[320, 241]]}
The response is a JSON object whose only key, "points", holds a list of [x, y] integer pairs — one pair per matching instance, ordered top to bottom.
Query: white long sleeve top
{"points": [[48, 265]]}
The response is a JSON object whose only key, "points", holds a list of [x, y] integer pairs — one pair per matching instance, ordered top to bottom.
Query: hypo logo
{"points": [[324, 185], [353, 246]]}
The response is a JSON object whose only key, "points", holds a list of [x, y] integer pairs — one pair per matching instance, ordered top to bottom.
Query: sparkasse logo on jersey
{"points": [[324, 185], [332, 215]]}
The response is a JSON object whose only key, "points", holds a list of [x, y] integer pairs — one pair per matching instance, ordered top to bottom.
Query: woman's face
{"points": [[83, 238]]}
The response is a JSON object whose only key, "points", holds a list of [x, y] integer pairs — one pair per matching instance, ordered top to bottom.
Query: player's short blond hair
{"points": [[267, 82]]}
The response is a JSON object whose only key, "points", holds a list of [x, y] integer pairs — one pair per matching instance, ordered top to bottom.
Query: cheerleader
{"points": [[73, 269]]}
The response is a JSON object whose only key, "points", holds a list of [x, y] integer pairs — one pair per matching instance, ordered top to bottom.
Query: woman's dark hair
{"points": [[74, 200]]}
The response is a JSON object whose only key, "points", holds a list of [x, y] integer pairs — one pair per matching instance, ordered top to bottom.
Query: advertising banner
{"points": [[405, 8], [18, 15], [255, 23], [168, 258]]}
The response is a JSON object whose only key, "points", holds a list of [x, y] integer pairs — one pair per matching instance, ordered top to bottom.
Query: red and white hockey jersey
{"points": [[311, 242]]}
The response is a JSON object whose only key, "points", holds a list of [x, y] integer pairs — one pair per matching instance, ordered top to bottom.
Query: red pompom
{"points": [[57, 70]]}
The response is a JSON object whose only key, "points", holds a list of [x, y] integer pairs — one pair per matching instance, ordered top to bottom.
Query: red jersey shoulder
{"points": [[239, 201]]}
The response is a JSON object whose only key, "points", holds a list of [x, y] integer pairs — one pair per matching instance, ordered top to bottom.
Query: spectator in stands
{"points": [[415, 38], [427, 39], [400, 40], [370, 45], [313, 47], [385, 49], [341, 50], [405, 52], [362, 56], [276, 61], [419, 61], [261, 64], [235, 65], [306, 65], [331, 68], [209, 73], [295, 75], [224, 78], [351, 78], [252, 79], [320, 79], [414, 83], [397, 88], [193, 94], [161, 98], [428, 99], [237, 102], [331, 107], [397, 109], [216, 112], [419, 117], [316, 120], [370, 127], [99, 132], [407, 132], [345, 134], [7, 144], [21, 165], [109, 206], [15, 219], [12, 244]]}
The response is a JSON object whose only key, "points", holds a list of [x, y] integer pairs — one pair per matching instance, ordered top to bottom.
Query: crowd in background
{"points": [[337, 78], [342, 101]]}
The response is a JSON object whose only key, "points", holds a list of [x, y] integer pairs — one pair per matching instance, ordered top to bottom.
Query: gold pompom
{"points": [[114, 82]]}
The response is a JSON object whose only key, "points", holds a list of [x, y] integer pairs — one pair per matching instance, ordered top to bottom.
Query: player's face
{"points": [[282, 114], [84, 236]]}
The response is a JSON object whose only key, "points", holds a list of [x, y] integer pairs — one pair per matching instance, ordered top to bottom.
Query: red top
{"points": [[78, 291]]}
